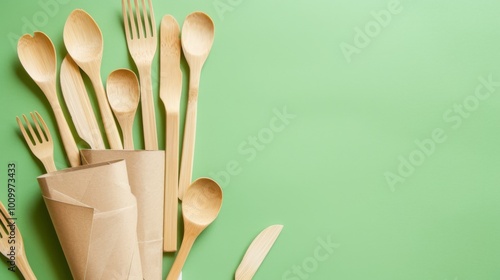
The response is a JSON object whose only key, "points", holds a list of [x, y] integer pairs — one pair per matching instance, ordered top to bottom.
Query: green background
{"points": [[323, 175]]}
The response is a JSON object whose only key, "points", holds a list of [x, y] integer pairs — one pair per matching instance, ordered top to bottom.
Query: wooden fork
{"points": [[140, 30], [41, 145], [12, 245]]}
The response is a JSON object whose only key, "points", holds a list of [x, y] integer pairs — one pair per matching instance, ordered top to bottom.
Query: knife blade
{"points": [[78, 103], [256, 252]]}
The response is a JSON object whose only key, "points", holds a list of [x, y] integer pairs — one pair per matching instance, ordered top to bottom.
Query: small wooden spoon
{"points": [[197, 39], [83, 40], [123, 96], [201, 205]]}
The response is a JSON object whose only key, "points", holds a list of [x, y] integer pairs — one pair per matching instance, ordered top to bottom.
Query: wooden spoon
{"points": [[197, 39], [83, 40], [38, 56], [123, 95], [201, 205]]}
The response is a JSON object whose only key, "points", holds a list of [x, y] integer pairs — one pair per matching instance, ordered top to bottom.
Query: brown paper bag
{"points": [[146, 171], [95, 217]]}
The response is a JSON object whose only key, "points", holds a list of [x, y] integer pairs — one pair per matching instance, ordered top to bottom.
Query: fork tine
{"points": [[152, 16], [126, 19], [146, 19], [132, 23], [140, 25], [45, 130], [23, 131], [32, 132], [41, 135], [40, 143], [2, 208], [3, 211], [3, 217], [4, 231]]}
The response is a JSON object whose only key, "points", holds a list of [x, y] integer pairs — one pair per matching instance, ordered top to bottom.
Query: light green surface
{"points": [[323, 174]]}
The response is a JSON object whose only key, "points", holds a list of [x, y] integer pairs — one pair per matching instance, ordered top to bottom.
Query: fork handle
{"points": [[148, 108], [67, 138], [49, 164], [24, 267]]}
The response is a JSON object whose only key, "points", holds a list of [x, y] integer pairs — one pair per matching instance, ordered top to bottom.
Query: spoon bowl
{"points": [[198, 33], [83, 37], [38, 56], [123, 91], [123, 96], [202, 202]]}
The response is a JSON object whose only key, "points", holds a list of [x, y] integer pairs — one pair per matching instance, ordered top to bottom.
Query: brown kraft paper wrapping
{"points": [[146, 171], [95, 217]]}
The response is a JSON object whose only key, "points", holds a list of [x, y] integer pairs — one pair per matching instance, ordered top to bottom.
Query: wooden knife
{"points": [[170, 94], [78, 103], [256, 252]]}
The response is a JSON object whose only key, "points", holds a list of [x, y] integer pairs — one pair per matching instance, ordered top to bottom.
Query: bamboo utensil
{"points": [[197, 39], [83, 40], [141, 41], [38, 57], [170, 94], [123, 96], [78, 103], [40, 143], [201, 205], [8, 225], [256, 252]]}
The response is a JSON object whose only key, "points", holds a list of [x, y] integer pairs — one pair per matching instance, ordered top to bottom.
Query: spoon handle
{"points": [[148, 110], [107, 117], [67, 137], [128, 137], [188, 144], [180, 259]]}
